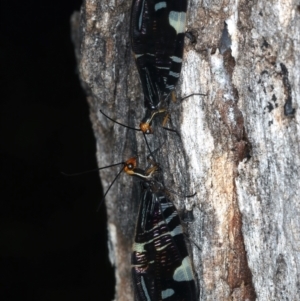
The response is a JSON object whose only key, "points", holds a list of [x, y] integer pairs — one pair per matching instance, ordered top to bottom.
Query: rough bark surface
{"points": [[239, 146]]}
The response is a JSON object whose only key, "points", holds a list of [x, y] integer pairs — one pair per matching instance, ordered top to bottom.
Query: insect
{"points": [[157, 33], [161, 267]]}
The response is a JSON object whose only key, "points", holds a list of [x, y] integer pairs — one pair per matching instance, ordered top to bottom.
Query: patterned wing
{"points": [[157, 37], [161, 266]]}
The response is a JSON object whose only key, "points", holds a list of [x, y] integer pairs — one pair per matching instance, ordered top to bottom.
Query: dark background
{"points": [[52, 241]]}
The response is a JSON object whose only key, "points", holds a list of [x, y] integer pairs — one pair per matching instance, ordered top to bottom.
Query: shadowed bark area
{"points": [[238, 147]]}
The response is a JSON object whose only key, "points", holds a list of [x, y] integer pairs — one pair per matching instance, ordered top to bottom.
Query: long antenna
{"points": [[126, 126], [145, 137], [88, 171], [112, 183]]}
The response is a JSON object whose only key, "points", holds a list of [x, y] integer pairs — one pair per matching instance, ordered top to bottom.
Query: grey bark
{"points": [[239, 146]]}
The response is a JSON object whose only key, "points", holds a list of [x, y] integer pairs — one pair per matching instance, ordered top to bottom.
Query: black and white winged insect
{"points": [[157, 31], [157, 36], [161, 266]]}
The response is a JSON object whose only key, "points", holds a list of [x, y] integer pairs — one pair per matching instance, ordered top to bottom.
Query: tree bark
{"points": [[238, 147]]}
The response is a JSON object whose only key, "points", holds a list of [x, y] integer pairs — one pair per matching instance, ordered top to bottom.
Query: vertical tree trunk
{"points": [[239, 146]]}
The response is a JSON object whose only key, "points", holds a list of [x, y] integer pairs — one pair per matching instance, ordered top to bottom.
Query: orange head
{"points": [[146, 128], [130, 165]]}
